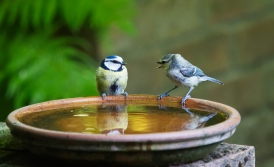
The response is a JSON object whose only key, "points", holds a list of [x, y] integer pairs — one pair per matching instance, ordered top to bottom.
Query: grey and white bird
{"points": [[182, 73], [112, 76], [188, 122]]}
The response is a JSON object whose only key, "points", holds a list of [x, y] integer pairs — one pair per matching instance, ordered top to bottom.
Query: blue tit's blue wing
{"points": [[191, 71]]}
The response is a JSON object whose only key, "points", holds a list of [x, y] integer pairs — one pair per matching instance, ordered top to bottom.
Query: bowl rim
{"points": [[219, 132]]}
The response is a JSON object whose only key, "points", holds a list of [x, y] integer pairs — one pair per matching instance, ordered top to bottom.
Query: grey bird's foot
{"points": [[125, 94], [104, 95], [162, 96], [184, 99]]}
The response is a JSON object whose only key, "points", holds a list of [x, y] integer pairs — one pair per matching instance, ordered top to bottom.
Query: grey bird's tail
{"points": [[214, 80], [206, 118]]}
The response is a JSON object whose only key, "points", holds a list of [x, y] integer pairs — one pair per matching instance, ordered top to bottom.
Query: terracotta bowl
{"points": [[130, 149]]}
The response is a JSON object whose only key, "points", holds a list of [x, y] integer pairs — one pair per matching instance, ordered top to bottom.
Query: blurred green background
{"points": [[51, 48]]}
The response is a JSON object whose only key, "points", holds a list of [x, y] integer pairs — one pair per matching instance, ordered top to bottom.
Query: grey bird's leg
{"points": [[166, 94], [187, 95], [188, 111]]}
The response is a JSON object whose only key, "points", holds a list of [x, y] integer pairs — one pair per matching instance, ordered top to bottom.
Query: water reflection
{"points": [[112, 119], [122, 119], [189, 121]]}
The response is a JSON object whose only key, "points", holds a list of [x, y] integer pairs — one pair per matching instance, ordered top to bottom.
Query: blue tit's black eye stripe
{"points": [[115, 61]]}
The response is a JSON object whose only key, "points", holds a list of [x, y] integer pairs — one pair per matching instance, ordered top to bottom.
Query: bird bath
{"points": [[137, 131]]}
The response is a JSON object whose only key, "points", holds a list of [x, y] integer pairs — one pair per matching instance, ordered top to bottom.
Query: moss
{"points": [[7, 141]]}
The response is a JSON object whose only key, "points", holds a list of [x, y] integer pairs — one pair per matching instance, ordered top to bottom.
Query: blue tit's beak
{"points": [[124, 63]]}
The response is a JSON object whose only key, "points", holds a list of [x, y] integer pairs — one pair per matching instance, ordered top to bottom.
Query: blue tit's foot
{"points": [[125, 94], [104, 95], [162, 96], [184, 99], [161, 107]]}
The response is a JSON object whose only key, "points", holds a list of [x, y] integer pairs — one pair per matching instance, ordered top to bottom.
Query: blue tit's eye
{"points": [[115, 61]]}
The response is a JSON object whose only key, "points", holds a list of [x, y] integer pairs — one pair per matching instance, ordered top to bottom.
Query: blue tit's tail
{"points": [[214, 80]]}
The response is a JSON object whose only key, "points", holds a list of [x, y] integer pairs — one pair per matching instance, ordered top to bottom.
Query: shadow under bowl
{"points": [[130, 149]]}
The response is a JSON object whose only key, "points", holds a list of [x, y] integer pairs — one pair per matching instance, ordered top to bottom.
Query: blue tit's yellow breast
{"points": [[106, 78]]}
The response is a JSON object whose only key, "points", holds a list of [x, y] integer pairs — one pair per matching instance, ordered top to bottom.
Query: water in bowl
{"points": [[120, 119]]}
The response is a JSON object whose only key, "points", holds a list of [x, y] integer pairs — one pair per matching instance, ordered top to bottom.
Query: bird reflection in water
{"points": [[112, 119], [190, 120]]}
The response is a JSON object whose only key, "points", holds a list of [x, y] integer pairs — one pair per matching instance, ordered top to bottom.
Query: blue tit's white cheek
{"points": [[119, 59], [112, 66]]}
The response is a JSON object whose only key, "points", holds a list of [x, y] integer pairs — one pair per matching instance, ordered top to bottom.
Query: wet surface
{"points": [[117, 119]]}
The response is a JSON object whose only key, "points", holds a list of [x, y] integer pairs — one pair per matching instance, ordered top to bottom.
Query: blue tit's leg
{"points": [[125, 94], [166, 94], [104, 95], [187, 95], [188, 111]]}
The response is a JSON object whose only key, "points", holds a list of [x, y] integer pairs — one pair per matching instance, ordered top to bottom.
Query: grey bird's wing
{"points": [[191, 71]]}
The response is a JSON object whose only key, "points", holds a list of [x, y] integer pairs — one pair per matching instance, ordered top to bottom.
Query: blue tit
{"points": [[182, 73], [112, 76]]}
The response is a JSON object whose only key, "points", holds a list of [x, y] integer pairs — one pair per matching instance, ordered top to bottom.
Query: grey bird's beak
{"points": [[160, 63]]}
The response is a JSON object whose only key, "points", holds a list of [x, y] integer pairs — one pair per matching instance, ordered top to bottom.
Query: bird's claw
{"points": [[125, 94], [103, 96], [161, 96], [184, 99]]}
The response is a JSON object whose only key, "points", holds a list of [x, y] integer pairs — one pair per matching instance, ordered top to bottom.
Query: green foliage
{"points": [[99, 15], [37, 62], [45, 68]]}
